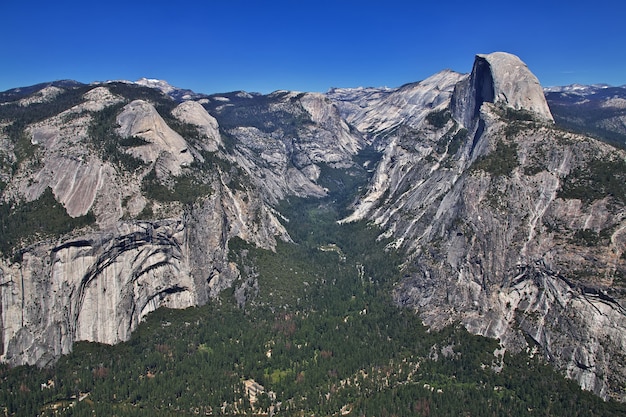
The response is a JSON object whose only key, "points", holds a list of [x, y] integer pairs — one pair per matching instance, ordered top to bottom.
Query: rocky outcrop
{"points": [[499, 78], [45, 94], [378, 112], [193, 113], [140, 119], [327, 126], [281, 141], [63, 160], [482, 202], [158, 240], [502, 254], [99, 286], [96, 288]]}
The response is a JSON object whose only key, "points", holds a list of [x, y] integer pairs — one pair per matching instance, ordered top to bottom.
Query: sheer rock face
{"points": [[503, 79], [377, 112], [328, 126], [279, 153], [495, 240], [500, 254], [98, 283], [98, 286], [96, 289]]}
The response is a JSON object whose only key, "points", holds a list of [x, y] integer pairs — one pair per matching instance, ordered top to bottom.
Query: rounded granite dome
{"points": [[500, 78], [514, 85]]}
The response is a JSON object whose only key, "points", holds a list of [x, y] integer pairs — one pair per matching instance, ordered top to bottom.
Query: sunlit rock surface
{"points": [[503, 79], [140, 118], [472, 182], [494, 241]]}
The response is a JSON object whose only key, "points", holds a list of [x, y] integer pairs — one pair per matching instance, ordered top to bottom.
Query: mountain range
{"points": [[507, 202]]}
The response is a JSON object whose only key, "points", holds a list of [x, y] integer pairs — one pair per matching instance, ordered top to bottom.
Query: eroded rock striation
{"points": [[141, 119]]}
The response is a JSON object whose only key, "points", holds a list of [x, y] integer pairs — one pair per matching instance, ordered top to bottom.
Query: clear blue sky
{"points": [[217, 46]]}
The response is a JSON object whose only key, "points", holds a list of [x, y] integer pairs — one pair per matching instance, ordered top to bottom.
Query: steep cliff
{"points": [[499, 78], [379, 112], [166, 188], [513, 227]]}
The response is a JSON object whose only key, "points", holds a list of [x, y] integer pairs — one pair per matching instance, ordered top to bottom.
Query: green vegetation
{"points": [[131, 92], [36, 112], [268, 113], [512, 114], [590, 117], [439, 118], [516, 120], [457, 140], [132, 141], [452, 143], [109, 144], [22, 145], [536, 161], [501, 162], [534, 169], [233, 176], [599, 178], [185, 188], [24, 223], [586, 237], [589, 237], [317, 327], [322, 337]]}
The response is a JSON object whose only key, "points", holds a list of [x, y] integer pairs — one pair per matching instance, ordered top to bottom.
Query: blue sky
{"points": [[219, 46]]}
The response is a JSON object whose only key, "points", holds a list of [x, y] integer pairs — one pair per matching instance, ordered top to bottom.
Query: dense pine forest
{"points": [[310, 329]]}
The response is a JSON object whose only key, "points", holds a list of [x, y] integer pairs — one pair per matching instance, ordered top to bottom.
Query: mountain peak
{"points": [[500, 78], [514, 84], [162, 85], [580, 89], [178, 94]]}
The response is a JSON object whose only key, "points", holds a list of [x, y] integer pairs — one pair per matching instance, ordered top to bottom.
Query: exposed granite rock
{"points": [[499, 78], [514, 85], [45, 94], [380, 111], [193, 113], [140, 118], [327, 126], [283, 139], [64, 160], [477, 199], [495, 241], [99, 282], [99, 286], [96, 288]]}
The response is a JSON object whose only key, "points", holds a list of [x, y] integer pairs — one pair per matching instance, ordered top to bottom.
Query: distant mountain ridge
{"points": [[577, 88], [560, 98], [574, 105], [597, 110]]}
